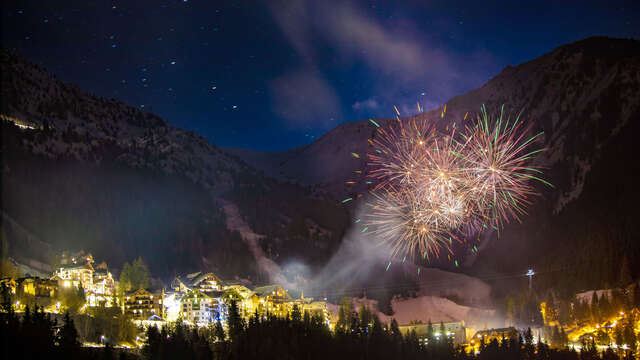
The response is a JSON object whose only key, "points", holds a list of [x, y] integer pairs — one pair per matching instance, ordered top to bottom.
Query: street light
{"points": [[530, 274]]}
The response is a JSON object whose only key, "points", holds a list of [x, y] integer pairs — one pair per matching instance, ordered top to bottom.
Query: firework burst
{"points": [[496, 161], [430, 187]]}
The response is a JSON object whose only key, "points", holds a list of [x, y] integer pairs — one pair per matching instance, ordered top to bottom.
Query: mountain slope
{"points": [[585, 96], [84, 172]]}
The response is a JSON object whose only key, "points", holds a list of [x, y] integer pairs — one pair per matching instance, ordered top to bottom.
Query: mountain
{"points": [[585, 96], [84, 172]]}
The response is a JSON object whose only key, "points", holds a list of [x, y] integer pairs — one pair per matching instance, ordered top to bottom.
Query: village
{"points": [[79, 285], [198, 299]]}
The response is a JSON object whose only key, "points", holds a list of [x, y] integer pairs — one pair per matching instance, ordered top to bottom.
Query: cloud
{"points": [[390, 50], [400, 59], [303, 97], [368, 104]]}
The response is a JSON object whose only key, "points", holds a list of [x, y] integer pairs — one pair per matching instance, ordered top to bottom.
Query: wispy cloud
{"points": [[401, 59], [304, 97], [368, 104]]}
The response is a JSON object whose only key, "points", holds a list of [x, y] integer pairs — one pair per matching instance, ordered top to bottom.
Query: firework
{"points": [[399, 153], [496, 160], [429, 187], [396, 215]]}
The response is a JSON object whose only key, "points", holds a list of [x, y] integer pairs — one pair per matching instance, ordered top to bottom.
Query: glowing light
{"points": [[431, 187]]}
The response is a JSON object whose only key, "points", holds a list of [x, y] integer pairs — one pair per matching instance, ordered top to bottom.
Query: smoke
{"points": [[355, 263]]}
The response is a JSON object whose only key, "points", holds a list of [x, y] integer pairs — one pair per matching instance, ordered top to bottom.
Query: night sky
{"points": [[278, 74]]}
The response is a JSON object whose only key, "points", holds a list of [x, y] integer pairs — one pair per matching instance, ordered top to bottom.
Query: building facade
{"points": [[75, 274], [201, 281], [142, 304], [203, 308]]}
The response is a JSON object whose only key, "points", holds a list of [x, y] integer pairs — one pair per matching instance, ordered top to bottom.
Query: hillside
{"points": [[585, 96], [81, 171], [85, 172]]}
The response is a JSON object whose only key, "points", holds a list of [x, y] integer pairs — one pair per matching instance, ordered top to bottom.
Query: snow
{"points": [[235, 222], [588, 295], [425, 309]]}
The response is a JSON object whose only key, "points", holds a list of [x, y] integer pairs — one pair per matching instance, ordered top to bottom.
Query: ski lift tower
{"points": [[530, 274]]}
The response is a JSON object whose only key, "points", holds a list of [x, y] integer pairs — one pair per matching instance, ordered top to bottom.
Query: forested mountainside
{"points": [[585, 96], [90, 168], [81, 170]]}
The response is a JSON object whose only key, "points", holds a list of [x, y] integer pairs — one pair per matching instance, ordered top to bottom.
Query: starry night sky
{"points": [[273, 75]]}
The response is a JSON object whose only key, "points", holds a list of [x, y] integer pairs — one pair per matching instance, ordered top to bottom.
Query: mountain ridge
{"points": [[155, 186]]}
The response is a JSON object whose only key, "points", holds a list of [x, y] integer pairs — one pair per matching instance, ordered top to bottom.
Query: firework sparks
{"points": [[430, 187]]}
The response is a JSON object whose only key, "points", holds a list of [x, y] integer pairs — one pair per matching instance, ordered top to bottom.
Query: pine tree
{"points": [[624, 278], [635, 296], [605, 306], [595, 308], [296, 316], [365, 318], [343, 321], [235, 322], [218, 332], [430, 332], [629, 334], [396, 335], [618, 335], [68, 336], [528, 344], [152, 345]]}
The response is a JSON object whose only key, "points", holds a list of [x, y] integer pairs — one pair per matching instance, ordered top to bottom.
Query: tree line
{"points": [[359, 335]]}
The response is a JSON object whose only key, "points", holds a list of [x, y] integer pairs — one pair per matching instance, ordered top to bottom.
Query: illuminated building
{"points": [[76, 273], [204, 282], [35, 286], [103, 288], [244, 298], [271, 299], [172, 302], [142, 304], [200, 308], [317, 308], [488, 335]]}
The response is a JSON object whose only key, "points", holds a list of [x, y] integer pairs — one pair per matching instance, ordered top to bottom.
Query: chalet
{"points": [[75, 274], [204, 282], [40, 288], [103, 288], [244, 298], [271, 299], [142, 304]]}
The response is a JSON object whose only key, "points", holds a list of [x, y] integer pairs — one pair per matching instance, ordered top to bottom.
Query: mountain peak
{"points": [[602, 46]]}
